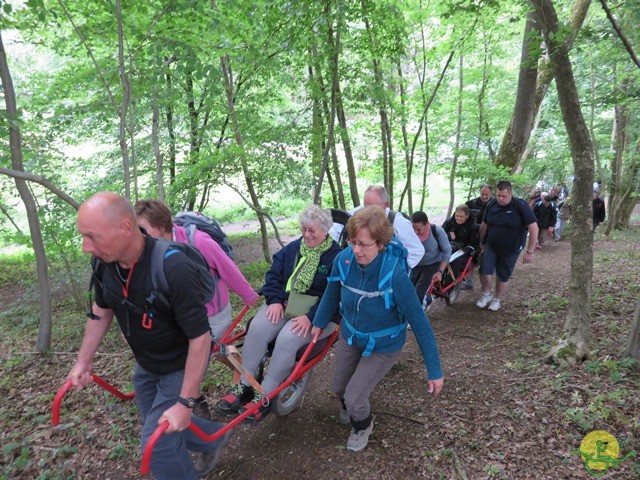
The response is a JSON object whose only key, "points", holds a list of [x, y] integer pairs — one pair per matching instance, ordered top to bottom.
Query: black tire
{"points": [[454, 293], [291, 397]]}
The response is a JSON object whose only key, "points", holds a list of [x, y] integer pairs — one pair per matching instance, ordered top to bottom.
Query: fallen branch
{"points": [[402, 417]]}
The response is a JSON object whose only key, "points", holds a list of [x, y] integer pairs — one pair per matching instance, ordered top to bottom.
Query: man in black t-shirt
{"points": [[478, 205], [503, 234], [171, 342]]}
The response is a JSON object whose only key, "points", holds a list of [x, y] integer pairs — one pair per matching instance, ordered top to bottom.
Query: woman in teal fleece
{"points": [[374, 320]]}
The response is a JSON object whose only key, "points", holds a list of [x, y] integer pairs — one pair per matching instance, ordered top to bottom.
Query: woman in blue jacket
{"points": [[374, 315]]}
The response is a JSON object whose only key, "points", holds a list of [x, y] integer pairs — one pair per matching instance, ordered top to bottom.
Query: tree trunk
{"points": [[544, 78], [228, 81], [379, 94], [126, 97], [622, 117], [155, 127], [343, 130], [193, 132], [592, 132], [172, 135], [517, 135], [405, 143], [330, 144], [15, 146], [456, 153], [633, 343], [574, 345]]}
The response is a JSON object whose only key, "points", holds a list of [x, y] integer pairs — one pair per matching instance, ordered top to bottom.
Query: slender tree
{"points": [[15, 146], [574, 344]]}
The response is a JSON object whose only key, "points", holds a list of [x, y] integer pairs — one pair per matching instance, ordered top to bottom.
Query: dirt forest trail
{"points": [[503, 412], [417, 436]]}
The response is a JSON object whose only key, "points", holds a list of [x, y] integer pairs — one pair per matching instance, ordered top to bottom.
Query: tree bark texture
{"points": [[544, 77], [126, 98], [622, 117], [155, 128], [517, 135], [15, 146], [456, 153], [577, 327], [633, 344]]}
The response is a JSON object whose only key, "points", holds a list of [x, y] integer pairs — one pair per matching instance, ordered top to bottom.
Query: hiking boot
{"points": [[484, 300], [495, 305], [235, 398], [201, 409], [258, 415], [344, 416], [359, 439], [206, 462]]}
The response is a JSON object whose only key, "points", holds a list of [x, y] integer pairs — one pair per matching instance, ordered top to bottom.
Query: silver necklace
{"points": [[122, 278]]}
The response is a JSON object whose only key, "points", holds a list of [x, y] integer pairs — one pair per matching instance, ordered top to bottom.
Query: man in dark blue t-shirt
{"points": [[503, 234], [171, 341]]}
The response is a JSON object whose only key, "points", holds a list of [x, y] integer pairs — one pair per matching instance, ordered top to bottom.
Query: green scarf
{"points": [[305, 270]]}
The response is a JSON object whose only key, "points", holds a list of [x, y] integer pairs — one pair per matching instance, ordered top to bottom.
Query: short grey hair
{"points": [[380, 191], [314, 215]]}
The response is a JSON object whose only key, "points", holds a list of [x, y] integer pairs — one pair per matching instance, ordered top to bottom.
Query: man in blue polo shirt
{"points": [[503, 234]]}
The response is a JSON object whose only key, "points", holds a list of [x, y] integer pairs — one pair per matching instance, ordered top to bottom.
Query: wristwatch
{"points": [[529, 252], [187, 402]]}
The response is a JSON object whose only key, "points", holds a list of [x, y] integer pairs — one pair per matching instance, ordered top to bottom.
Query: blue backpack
{"points": [[394, 253]]}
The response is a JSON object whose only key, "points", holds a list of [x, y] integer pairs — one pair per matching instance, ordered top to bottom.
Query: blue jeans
{"points": [[170, 459]]}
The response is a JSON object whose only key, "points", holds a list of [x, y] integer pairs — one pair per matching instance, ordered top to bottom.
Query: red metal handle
{"points": [[225, 337], [300, 369], [66, 386], [57, 400], [146, 457]]}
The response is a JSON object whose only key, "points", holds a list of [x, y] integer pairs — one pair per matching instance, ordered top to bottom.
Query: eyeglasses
{"points": [[310, 231], [360, 244]]}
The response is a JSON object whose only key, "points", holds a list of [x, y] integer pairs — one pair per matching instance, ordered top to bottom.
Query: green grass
{"points": [[18, 267]]}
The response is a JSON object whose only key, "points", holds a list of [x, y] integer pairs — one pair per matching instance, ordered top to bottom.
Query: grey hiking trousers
{"points": [[260, 334]]}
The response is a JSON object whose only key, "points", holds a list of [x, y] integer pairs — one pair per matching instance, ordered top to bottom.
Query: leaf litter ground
{"points": [[503, 413]]}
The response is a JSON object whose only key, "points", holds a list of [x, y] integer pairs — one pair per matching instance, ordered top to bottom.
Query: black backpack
{"points": [[193, 221], [162, 250], [160, 294]]}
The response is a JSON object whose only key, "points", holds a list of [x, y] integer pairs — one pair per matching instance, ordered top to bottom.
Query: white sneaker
{"points": [[484, 300], [495, 305], [359, 439]]}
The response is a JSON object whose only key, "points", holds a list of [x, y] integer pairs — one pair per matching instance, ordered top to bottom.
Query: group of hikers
{"points": [[148, 274]]}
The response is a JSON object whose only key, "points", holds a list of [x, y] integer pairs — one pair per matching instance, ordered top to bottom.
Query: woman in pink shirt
{"points": [[155, 217]]}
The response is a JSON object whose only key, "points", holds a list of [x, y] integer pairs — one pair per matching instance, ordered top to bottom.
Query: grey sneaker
{"points": [[466, 286], [484, 300], [495, 305], [344, 416], [359, 439], [206, 462]]}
